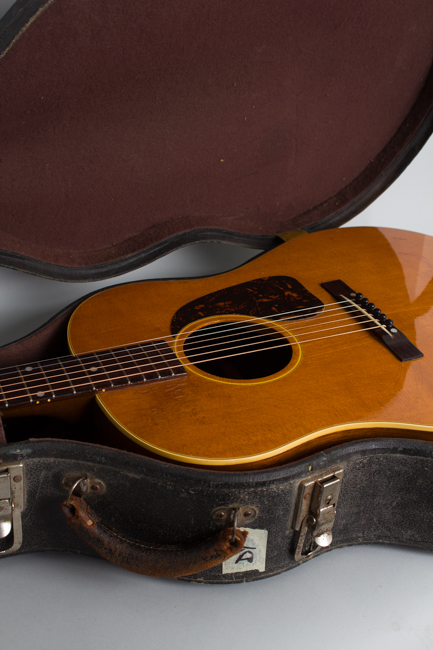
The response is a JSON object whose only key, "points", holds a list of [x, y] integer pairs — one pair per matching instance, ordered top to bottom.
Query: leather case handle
{"points": [[159, 561]]}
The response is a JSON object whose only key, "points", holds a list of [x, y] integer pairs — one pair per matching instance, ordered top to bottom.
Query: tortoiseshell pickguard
{"points": [[260, 298]]}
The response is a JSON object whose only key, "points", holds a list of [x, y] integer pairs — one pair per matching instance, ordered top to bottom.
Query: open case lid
{"points": [[132, 128]]}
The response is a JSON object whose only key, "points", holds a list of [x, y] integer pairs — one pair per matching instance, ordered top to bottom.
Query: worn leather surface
{"points": [[230, 118], [385, 497], [159, 561]]}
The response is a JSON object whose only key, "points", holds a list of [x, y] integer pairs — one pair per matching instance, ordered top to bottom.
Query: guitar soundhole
{"points": [[238, 351]]}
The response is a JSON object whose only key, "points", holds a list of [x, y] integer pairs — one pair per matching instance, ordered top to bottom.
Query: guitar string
{"points": [[314, 311], [247, 323], [244, 324], [216, 325], [280, 344], [131, 354], [219, 358], [81, 366], [52, 385]]}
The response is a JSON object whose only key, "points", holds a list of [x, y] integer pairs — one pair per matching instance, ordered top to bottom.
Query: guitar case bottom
{"points": [[133, 129], [62, 488], [385, 497]]}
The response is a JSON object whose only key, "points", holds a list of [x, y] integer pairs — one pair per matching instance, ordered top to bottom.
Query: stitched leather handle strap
{"points": [[160, 561]]}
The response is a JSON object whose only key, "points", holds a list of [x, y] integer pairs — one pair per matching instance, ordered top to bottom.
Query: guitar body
{"points": [[156, 125], [339, 384], [334, 388]]}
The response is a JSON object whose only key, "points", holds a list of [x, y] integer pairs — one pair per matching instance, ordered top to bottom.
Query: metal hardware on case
{"points": [[83, 485], [74, 486], [11, 505], [315, 513], [237, 515]]}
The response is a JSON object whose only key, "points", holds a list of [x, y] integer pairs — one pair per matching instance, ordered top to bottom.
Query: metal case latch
{"points": [[11, 507], [315, 513]]}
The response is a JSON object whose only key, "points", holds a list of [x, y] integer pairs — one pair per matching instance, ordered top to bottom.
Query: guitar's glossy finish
{"points": [[343, 387]]}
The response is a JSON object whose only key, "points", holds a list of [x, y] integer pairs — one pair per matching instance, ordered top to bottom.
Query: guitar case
{"points": [[131, 130]]}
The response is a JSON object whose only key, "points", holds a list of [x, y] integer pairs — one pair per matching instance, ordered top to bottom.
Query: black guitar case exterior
{"points": [[128, 134]]}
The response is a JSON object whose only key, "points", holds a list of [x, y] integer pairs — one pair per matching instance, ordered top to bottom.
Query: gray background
{"points": [[374, 597]]}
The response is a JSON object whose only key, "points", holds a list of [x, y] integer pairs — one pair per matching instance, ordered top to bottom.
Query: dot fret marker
{"points": [[50, 379]]}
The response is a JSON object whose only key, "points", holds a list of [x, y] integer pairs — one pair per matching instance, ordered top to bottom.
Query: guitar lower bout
{"points": [[230, 408]]}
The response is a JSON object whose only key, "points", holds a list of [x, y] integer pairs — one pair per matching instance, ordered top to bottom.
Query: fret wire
{"points": [[321, 307], [269, 316], [308, 340], [283, 344], [162, 353], [151, 357], [172, 358], [82, 359], [134, 361], [144, 362], [149, 363], [107, 369], [120, 370], [100, 371], [162, 372], [86, 373], [79, 374], [67, 375], [115, 376], [32, 379], [62, 385], [22, 395], [43, 395], [4, 399], [30, 399]]}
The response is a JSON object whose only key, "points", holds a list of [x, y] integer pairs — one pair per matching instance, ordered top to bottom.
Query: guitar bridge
{"points": [[380, 326]]}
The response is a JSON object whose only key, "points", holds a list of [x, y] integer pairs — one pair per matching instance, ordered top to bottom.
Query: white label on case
{"points": [[253, 555]]}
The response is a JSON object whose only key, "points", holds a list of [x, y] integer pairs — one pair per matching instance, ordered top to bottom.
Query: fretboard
{"points": [[95, 372]]}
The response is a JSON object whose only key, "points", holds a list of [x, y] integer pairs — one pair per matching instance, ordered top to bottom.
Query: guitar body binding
{"points": [[334, 384]]}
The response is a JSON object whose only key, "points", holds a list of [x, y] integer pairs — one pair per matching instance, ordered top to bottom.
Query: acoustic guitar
{"points": [[326, 338]]}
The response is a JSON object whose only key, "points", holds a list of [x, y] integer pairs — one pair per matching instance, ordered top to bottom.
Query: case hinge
{"points": [[11, 507], [315, 513]]}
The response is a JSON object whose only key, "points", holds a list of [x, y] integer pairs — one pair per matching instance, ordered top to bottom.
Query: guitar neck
{"points": [[95, 372]]}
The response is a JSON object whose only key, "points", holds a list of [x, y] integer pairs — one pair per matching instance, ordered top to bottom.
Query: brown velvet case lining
{"points": [[125, 123], [46, 342]]}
